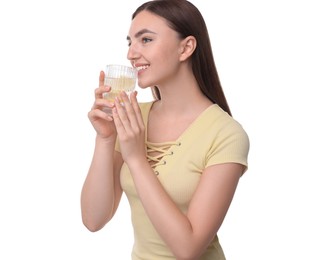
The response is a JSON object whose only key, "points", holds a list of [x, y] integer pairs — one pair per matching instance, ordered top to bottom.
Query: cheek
{"points": [[165, 51], [169, 54], [166, 59], [164, 63]]}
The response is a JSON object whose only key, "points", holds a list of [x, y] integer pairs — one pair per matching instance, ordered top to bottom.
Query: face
{"points": [[154, 49]]}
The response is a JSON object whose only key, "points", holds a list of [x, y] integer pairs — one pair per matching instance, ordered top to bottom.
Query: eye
{"points": [[146, 40], [129, 43]]}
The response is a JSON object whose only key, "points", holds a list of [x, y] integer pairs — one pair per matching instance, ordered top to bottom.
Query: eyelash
{"points": [[144, 41]]}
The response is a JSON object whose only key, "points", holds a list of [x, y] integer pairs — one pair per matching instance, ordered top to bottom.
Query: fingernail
{"points": [[117, 101]]}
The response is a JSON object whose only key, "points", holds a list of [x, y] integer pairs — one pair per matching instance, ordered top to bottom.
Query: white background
{"points": [[51, 53]]}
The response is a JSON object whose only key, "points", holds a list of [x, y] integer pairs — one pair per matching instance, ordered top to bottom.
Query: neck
{"points": [[182, 97]]}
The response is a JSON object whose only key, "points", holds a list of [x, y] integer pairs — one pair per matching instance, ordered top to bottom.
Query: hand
{"points": [[102, 122], [130, 128]]}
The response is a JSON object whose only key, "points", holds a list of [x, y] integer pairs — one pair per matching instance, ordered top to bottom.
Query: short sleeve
{"points": [[231, 145]]}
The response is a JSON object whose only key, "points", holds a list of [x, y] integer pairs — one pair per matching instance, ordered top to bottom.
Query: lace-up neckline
{"points": [[156, 152]]}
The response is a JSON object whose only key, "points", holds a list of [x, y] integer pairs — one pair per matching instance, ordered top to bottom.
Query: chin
{"points": [[143, 85]]}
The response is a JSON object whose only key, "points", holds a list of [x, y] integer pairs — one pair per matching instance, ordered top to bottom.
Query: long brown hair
{"points": [[183, 17]]}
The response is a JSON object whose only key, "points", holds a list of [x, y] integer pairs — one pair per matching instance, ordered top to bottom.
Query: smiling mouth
{"points": [[144, 67]]}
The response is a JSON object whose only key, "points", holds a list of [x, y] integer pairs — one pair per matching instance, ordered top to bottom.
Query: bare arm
{"points": [[101, 191], [187, 235]]}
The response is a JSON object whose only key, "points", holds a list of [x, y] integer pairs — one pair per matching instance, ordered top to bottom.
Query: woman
{"points": [[179, 158]]}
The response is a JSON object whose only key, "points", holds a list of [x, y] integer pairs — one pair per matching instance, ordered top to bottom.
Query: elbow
{"points": [[94, 221], [91, 225], [92, 228], [191, 251], [187, 255]]}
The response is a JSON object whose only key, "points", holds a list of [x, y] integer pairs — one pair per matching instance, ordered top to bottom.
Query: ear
{"points": [[187, 47]]}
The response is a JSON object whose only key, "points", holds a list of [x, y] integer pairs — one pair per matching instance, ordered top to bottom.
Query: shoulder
{"points": [[222, 123], [230, 141]]}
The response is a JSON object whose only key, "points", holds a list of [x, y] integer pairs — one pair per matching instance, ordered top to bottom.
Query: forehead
{"points": [[147, 20]]}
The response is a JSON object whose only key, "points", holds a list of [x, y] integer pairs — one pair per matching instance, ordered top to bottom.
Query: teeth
{"points": [[142, 67]]}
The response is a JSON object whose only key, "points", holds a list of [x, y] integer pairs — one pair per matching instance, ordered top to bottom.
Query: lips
{"points": [[142, 67]]}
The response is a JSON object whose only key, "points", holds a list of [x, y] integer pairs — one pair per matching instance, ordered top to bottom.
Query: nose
{"points": [[133, 53]]}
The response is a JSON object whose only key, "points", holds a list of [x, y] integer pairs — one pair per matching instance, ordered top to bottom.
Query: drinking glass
{"points": [[119, 78]]}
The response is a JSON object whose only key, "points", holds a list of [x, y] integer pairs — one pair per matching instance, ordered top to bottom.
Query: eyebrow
{"points": [[139, 33]]}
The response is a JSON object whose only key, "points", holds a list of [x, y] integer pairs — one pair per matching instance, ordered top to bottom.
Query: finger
{"points": [[101, 78], [99, 92], [100, 103], [137, 110], [129, 111], [122, 113], [95, 114], [118, 124]]}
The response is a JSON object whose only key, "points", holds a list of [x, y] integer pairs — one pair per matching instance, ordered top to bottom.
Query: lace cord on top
{"points": [[156, 152]]}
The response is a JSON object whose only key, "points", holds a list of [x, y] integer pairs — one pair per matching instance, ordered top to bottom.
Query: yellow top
{"points": [[213, 138]]}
